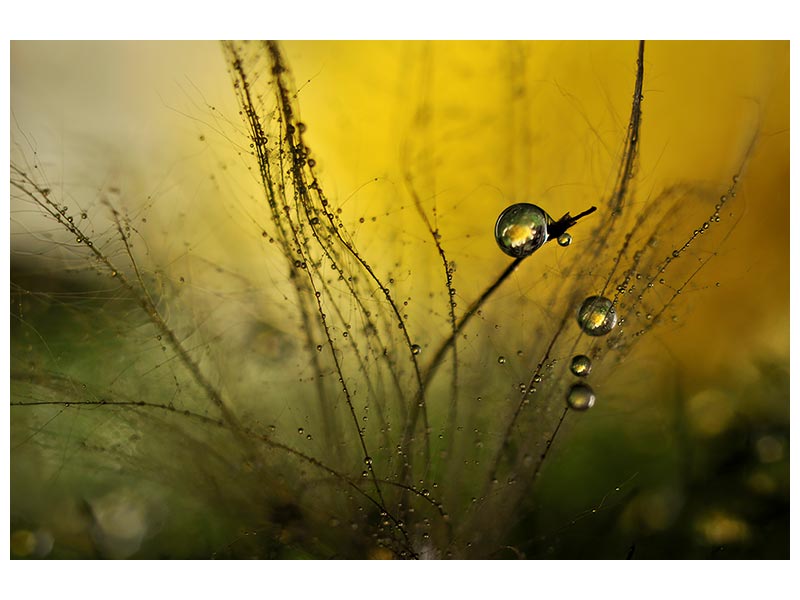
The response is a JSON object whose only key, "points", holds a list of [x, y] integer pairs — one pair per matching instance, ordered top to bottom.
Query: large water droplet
{"points": [[521, 229], [565, 239], [597, 316], [581, 365], [580, 397]]}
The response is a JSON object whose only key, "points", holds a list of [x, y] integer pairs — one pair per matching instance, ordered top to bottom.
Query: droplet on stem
{"points": [[597, 316], [581, 365], [580, 397]]}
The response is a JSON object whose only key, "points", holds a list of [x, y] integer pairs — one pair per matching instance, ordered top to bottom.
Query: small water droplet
{"points": [[565, 239], [597, 316], [415, 349], [501, 360], [581, 365], [580, 397], [300, 431], [368, 460]]}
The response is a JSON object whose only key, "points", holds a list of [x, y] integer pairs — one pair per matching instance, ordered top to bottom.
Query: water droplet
{"points": [[521, 229], [565, 239], [597, 316], [319, 347], [415, 349], [501, 360], [581, 365], [580, 397], [300, 431], [368, 460]]}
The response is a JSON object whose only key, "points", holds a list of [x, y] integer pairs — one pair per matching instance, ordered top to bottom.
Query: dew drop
{"points": [[521, 229], [565, 239], [597, 316], [415, 349], [501, 360], [581, 365], [580, 397], [300, 431]]}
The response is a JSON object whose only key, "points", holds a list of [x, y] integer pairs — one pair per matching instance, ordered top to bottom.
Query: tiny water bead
{"points": [[521, 229], [564, 239], [597, 316], [415, 349], [581, 365], [580, 397]]}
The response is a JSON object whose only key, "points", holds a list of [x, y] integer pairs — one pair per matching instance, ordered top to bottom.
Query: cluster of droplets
{"points": [[520, 230], [597, 316]]}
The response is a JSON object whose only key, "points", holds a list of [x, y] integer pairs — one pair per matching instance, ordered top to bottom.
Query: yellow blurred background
{"points": [[477, 125]]}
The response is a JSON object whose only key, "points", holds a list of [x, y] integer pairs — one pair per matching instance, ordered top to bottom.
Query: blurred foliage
{"points": [[206, 379]]}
